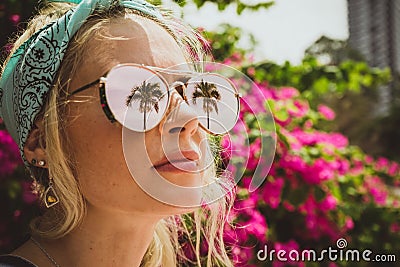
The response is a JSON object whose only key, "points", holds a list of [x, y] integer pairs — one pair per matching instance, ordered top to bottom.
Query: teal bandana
{"points": [[30, 73]]}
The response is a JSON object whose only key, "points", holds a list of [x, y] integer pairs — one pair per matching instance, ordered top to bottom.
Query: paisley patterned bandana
{"points": [[30, 72]]}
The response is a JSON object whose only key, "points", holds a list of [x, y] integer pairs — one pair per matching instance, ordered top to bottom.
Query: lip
{"points": [[179, 161]]}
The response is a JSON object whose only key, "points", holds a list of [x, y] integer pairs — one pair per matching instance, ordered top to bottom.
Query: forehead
{"points": [[132, 39], [140, 40]]}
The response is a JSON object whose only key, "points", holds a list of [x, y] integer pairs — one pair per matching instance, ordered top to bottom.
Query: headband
{"points": [[31, 70]]}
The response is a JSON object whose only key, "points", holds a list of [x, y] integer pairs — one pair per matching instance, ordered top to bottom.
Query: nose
{"points": [[180, 118]]}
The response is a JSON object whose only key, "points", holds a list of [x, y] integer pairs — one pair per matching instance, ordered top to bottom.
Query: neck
{"points": [[105, 238]]}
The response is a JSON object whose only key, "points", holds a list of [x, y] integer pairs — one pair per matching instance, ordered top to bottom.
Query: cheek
{"points": [[94, 139], [96, 143], [97, 147], [104, 178]]}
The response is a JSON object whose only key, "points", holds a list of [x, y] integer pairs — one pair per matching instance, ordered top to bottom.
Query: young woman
{"points": [[96, 94]]}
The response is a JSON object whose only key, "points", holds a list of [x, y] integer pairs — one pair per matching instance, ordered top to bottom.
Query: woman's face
{"points": [[111, 161]]}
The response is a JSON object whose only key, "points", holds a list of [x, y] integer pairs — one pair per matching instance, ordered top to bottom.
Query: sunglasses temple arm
{"points": [[85, 87]]}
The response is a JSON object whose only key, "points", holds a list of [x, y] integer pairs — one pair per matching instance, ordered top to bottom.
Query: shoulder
{"points": [[14, 261]]}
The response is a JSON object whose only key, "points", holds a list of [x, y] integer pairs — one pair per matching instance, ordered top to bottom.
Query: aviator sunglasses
{"points": [[138, 96]]}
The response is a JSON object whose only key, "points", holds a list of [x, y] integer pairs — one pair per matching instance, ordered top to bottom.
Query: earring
{"points": [[34, 161], [42, 163], [50, 195]]}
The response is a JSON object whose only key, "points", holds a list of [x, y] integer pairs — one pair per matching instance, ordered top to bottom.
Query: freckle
{"points": [[113, 184], [91, 248]]}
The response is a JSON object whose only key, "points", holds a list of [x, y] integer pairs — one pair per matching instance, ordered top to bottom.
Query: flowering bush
{"points": [[319, 189]]}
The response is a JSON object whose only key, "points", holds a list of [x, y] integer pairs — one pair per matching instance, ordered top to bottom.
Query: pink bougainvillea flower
{"points": [[15, 19], [236, 56], [251, 71], [284, 93], [253, 102], [299, 109], [326, 112], [308, 124], [305, 138], [310, 138], [336, 139], [226, 149], [9, 154], [254, 159], [368, 159], [294, 162], [382, 164], [343, 166], [357, 169], [393, 169], [318, 172], [377, 189], [272, 192], [28, 196], [380, 196], [329, 203], [246, 205], [309, 206], [289, 207], [17, 214], [317, 223], [349, 223], [257, 226], [395, 227], [327, 228], [188, 251], [241, 255]]}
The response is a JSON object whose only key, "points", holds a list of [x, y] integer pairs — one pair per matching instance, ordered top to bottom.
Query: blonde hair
{"points": [[206, 224]]}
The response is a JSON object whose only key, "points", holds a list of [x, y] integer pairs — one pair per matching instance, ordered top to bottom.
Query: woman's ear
{"points": [[34, 148]]}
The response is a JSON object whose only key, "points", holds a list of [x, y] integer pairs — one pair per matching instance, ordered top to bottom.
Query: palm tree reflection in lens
{"points": [[210, 94], [149, 95]]}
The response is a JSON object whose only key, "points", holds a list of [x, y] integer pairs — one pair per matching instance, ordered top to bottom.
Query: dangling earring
{"points": [[50, 195]]}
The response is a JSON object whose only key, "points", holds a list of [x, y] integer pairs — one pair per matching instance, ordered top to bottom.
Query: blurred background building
{"points": [[374, 27]]}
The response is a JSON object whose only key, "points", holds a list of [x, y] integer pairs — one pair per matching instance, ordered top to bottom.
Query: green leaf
{"points": [[240, 7], [321, 85], [270, 105], [281, 115], [315, 152], [335, 190], [319, 194], [298, 196]]}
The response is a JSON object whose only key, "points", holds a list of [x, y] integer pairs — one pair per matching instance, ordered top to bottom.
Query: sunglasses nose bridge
{"points": [[180, 87], [180, 117]]}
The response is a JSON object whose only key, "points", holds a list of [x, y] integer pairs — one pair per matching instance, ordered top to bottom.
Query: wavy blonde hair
{"points": [[206, 224]]}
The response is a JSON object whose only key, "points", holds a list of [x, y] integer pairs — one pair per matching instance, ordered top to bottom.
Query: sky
{"points": [[284, 30]]}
